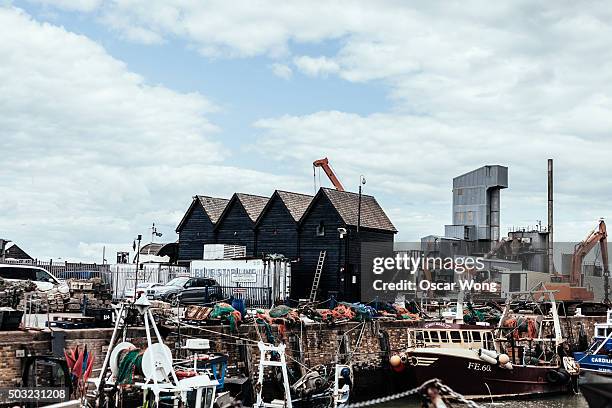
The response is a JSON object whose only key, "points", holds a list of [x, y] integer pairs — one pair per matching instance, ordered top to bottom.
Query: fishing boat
{"points": [[598, 357], [505, 363]]}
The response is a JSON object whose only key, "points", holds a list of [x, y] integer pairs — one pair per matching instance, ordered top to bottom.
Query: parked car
{"points": [[43, 280], [176, 286], [141, 288], [205, 290]]}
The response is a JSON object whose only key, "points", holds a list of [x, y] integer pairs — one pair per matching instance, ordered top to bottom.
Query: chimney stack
{"points": [[551, 266]]}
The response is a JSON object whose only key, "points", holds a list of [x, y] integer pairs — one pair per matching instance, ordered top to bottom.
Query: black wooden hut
{"points": [[331, 223], [236, 225], [197, 226], [276, 228]]}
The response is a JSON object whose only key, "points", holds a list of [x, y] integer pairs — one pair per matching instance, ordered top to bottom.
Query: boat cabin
{"points": [[452, 336]]}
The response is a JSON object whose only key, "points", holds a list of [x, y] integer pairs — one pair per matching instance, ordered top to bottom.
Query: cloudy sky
{"points": [[113, 114]]}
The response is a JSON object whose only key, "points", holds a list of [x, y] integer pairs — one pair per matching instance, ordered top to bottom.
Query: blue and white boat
{"points": [[598, 357]]}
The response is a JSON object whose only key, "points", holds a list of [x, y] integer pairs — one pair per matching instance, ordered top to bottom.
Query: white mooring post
{"points": [[264, 361]]}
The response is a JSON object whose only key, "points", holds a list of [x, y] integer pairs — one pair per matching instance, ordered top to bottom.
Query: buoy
{"points": [[490, 353], [485, 355], [503, 359], [395, 360], [507, 366]]}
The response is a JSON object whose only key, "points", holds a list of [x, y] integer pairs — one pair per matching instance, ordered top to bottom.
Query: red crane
{"points": [[324, 164]]}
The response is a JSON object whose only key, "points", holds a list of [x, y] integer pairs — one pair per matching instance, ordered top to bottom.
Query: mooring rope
{"points": [[445, 393]]}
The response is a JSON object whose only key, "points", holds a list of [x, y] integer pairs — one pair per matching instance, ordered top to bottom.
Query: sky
{"points": [[113, 114]]}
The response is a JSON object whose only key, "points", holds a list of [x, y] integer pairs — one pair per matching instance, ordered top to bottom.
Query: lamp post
{"points": [[362, 182], [3, 243], [137, 263]]}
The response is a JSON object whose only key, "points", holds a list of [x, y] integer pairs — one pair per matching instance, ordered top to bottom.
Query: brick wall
{"points": [[369, 345]]}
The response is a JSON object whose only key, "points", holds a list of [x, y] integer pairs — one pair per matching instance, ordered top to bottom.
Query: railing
{"points": [[57, 268], [123, 276], [253, 297]]}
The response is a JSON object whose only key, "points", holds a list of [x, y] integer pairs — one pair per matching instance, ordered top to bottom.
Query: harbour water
{"points": [[574, 401]]}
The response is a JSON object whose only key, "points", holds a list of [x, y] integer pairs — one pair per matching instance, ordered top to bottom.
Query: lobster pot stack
{"points": [[90, 293]]}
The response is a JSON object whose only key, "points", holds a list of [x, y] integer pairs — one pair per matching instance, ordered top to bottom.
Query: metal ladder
{"points": [[317, 277]]}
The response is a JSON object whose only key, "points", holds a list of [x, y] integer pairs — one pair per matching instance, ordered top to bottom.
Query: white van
{"points": [[43, 280]]}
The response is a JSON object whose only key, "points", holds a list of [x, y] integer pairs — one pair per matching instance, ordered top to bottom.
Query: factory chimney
{"points": [[551, 266]]}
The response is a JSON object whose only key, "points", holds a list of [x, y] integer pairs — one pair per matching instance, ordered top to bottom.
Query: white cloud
{"points": [[71, 5], [319, 66], [282, 71], [472, 83], [92, 153], [409, 162]]}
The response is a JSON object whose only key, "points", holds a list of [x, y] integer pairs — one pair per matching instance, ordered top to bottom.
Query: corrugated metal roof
{"points": [[296, 203], [253, 204], [347, 205], [213, 206]]}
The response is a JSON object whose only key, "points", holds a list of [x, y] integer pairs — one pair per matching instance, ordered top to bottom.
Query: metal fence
{"points": [[58, 268], [123, 276], [254, 297]]}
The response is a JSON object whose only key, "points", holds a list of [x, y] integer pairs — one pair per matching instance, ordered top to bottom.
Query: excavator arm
{"points": [[324, 164], [598, 236]]}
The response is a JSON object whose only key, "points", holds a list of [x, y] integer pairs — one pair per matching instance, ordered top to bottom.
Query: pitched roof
{"points": [[296, 203], [253, 204], [347, 205], [212, 206]]}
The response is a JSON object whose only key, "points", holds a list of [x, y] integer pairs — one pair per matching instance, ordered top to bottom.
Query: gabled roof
{"points": [[296, 204], [253, 205], [212, 206], [347, 206]]}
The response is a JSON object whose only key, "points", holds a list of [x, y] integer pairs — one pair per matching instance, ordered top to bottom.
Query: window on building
{"points": [[459, 191], [470, 217], [321, 229]]}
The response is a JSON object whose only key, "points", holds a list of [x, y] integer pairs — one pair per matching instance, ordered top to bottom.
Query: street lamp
{"points": [[3, 243], [137, 262]]}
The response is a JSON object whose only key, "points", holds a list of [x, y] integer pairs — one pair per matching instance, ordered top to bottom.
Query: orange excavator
{"points": [[324, 164], [574, 291]]}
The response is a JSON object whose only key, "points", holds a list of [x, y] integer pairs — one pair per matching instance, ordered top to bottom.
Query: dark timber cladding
{"points": [[236, 225], [197, 226], [276, 228], [318, 230]]}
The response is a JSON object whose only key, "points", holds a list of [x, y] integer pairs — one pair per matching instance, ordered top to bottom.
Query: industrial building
{"points": [[476, 204]]}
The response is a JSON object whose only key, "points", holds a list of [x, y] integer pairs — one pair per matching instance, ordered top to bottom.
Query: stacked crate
{"points": [[93, 292]]}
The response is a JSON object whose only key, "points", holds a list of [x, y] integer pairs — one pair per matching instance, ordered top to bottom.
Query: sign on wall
{"points": [[229, 272]]}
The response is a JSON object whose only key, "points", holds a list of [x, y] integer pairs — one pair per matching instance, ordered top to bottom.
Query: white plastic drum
{"points": [[157, 362]]}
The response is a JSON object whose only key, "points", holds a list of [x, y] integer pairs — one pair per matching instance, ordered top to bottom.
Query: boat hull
{"points": [[595, 363], [476, 379]]}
